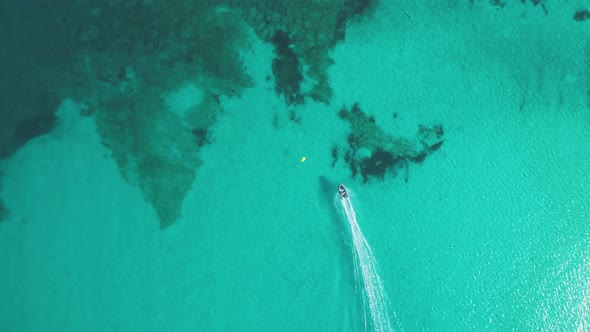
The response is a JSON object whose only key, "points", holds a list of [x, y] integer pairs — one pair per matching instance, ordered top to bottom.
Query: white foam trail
{"points": [[365, 267]]}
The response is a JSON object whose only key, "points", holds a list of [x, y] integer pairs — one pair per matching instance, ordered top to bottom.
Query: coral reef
{"points": [[501, 4], [582, 15], [312, 26], [118, 58], [287, 70], [27, 103], [152, 147], [157, 149], [373, 153]]}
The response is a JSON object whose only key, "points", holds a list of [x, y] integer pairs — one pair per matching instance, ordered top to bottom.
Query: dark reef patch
{"points": [[536, 3], [499, 4], [349, 9], [582, 15], [315, 27], [118, 59], [286, 69], [27, 107], [294, 117], [35, 126], [201, 136], [374, 153], [334, 156], [377, 164]]}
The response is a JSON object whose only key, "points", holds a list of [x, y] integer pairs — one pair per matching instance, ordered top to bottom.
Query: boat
{"points": [[343, 191]]}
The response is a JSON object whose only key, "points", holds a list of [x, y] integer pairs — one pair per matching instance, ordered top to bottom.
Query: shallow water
{"points": [[489, 232]]}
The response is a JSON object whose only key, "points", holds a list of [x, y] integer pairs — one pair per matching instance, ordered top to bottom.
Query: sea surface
{"points": [[489, 232]]}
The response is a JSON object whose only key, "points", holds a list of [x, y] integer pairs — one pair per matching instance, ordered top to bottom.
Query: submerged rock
{"points": [[582, 15], [314, 27], [117, 58], [287, 70], [153, 149], [373, 153]]}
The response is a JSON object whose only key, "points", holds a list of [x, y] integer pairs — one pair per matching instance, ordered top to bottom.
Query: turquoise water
{"points": [[489, 232]]}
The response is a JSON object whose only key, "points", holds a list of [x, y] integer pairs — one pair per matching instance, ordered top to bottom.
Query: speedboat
{"points": [[342, 190]]}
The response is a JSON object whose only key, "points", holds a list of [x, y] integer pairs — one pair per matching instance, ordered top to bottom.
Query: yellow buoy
{"points": [[302, 159]]}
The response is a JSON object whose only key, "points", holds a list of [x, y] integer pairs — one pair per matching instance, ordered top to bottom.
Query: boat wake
{"points": [[376, 309]]}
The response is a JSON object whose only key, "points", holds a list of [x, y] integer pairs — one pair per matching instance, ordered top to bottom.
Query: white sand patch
{"points": [[184, 99]]}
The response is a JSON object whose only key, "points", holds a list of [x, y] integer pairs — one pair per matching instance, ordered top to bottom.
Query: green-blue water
{"points": [[170, 194]]}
